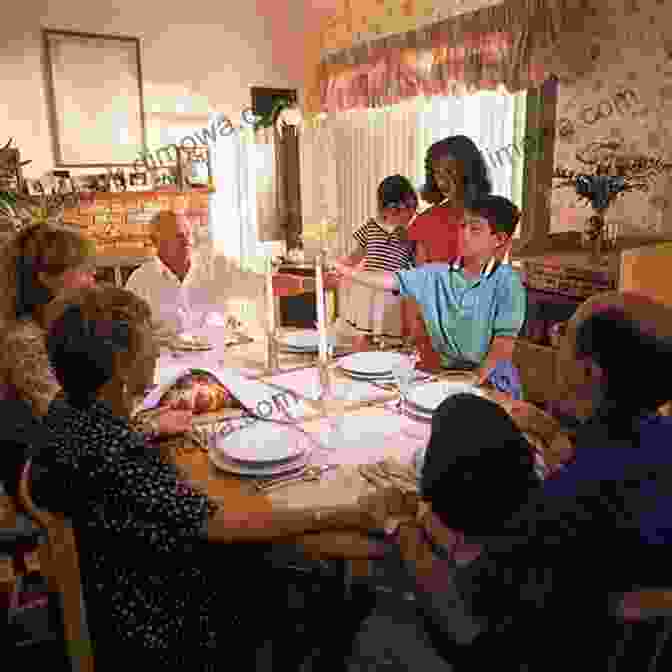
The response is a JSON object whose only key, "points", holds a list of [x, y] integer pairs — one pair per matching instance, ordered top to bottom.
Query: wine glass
{"points": [[403, 372]]}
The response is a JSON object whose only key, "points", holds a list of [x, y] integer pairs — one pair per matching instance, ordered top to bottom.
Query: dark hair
{"points": [[476, 174], [395, 191], [502, 215], [92, 329], [624, 351], [476, 455]]}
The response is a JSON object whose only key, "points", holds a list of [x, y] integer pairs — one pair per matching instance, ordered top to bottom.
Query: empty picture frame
{"points": [[94, 96]]}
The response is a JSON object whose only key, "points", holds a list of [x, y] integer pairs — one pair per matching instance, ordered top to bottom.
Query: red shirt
{"points": [[439, 229]]}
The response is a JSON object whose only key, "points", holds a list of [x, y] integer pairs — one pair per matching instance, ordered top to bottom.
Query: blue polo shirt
{"points": [[462, 315]]}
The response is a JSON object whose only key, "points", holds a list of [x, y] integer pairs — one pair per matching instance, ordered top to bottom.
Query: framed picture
{"points": [[94, 96]]}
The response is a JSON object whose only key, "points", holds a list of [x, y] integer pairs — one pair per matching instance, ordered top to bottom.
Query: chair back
{"points": [[59, 560]]}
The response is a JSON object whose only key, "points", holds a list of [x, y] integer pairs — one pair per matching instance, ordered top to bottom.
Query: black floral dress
{"points": [[150, 586]]}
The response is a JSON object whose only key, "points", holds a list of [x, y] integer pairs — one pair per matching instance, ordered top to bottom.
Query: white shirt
{"points": [[165, 292]]}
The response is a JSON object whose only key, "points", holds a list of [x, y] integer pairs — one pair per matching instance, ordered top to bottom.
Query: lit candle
{"points": [[321, 310]]}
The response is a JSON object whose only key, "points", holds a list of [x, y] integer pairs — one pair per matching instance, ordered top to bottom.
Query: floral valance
{"points": [[517, 44]]}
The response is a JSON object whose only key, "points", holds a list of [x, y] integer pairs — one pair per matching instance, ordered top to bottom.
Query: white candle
{"points": [[270, 300], [321, 310]]}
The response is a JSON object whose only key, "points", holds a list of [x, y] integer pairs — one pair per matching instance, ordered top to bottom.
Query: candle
{"points": [[270, 299], [321, 310]]}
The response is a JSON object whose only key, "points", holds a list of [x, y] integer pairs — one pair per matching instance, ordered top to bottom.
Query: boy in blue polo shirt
{"points": [[474, 307]]}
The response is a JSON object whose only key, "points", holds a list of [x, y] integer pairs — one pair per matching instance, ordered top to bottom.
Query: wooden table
{"points": [[240, 495]]}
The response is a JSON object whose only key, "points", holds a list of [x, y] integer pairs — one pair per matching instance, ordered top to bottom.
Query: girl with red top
{"points": [[455, 175]]}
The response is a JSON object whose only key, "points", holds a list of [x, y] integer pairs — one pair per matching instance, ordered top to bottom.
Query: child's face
{"points": [[449, 177], [398, 217], [479, 241]]}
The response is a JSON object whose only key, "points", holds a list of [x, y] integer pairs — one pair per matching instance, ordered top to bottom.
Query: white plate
{"points": [[304, 340], [370, 363], [385, 378], [429, 397], [419, 416], [262, 442], [222, 462]]}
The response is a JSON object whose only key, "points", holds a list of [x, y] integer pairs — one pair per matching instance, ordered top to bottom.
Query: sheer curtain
{"points": [[344, 158], [233, 204]]}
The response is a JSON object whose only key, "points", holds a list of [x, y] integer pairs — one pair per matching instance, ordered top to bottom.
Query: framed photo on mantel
{"points": [[94, 96]]}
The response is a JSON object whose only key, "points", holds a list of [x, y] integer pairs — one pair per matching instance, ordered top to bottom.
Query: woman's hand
{"points": [[172, 421]]}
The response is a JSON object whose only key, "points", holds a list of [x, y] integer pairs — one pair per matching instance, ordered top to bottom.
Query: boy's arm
{"points": [[355, 258], [375, 280], [509, 319], [501, 350]]}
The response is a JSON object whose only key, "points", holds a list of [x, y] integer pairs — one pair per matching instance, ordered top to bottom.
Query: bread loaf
{"points": [[201, 392]]}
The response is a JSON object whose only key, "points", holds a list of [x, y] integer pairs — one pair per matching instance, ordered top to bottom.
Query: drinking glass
{"points": [[403, 372]]}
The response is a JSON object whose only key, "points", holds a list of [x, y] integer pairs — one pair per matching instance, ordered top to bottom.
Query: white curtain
{"points": [[344, 158], [233, 204]]}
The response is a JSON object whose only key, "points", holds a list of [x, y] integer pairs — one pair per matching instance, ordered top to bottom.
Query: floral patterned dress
{"points": [[149, 589]]}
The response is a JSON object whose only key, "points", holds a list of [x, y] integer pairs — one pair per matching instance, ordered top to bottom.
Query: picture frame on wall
{"points": [[94, 98]]}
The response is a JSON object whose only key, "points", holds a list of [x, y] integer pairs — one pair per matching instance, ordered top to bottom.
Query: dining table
{"points": [[370, 429], [360, 430]]}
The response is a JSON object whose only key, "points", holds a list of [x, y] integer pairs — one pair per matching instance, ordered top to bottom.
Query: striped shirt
{"points": [[385, 251]]}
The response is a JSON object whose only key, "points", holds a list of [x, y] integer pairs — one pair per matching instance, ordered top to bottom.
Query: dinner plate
{"points": [[308, 339], [190, 342], [371, 363], [385, 378], [428, 397], [417, 415], [262, 443], [221, 461]]}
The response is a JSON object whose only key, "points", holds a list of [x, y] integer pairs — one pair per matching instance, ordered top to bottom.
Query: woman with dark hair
{"points": [[456, 175], [382, 245], [156, 593]]}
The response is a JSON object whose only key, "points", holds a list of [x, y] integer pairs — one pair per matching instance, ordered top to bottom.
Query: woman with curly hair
{"points": [[456, 175], [38, 265], [166, 571]]}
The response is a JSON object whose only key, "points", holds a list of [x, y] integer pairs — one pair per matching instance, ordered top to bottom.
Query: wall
{"points": [[195, 58], [635, 59]]}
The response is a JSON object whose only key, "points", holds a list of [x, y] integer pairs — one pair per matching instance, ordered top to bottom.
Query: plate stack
{"points": [[303, 342], [370, 366], [423, 400], [261, 450]]}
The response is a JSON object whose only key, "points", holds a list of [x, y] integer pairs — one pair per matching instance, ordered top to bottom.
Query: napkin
{"points": [[504, 377]]}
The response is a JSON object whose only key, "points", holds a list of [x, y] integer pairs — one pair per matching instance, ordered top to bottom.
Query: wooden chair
{"points": [[59, 560]]}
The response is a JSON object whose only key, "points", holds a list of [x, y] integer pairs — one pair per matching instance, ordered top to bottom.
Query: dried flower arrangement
{"points": [[612, 175]]}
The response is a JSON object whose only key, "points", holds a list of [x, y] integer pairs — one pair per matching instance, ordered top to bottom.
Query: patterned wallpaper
{"points": [[363, 20], [627, 100]]}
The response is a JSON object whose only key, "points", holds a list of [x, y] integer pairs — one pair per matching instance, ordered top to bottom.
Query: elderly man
{"points": [[176, 277]]}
